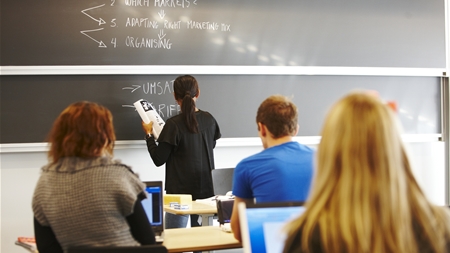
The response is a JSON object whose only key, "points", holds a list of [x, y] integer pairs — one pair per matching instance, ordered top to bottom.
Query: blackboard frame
{"points": [[218, 70]]}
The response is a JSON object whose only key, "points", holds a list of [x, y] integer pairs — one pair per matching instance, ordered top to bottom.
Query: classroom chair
{"points": [[222, 180]]}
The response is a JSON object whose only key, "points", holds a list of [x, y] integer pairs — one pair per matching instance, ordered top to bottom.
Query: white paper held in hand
{"points": [[148, 113]]}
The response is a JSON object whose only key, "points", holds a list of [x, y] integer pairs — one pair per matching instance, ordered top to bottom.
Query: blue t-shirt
{"points": [[277, 174]]}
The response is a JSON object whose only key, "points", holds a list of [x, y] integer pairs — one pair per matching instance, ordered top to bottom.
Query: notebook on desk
{"points": [[153, 206], [262, 225]]}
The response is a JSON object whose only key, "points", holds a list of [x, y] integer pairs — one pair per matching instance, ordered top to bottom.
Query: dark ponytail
{"points": [[185, 89]]}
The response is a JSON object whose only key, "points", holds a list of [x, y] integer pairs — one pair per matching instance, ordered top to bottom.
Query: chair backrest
{"points": [[222, 180], [120, 249]]}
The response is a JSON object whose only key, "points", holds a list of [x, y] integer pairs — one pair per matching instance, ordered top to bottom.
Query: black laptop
{"points": [[153, 206], [224, 210]]}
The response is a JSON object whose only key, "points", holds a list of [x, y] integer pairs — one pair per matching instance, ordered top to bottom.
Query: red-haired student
{"points": [[83, 196]]}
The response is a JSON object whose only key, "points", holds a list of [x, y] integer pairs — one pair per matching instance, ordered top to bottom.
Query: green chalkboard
{"points": [[379, 33]]}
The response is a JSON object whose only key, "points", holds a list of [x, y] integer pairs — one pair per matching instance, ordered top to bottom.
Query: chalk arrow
{"points": [[162, 14], [100, 20], [161, 34], [100, 43], [133, 89]]}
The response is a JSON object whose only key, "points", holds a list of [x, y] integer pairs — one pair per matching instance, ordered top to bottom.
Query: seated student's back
{"points": [[283, 170], [279, 173], [83, 197], [365, 197]]}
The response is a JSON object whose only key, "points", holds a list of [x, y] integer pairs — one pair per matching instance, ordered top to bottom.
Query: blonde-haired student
{"points": [[364, 196]]}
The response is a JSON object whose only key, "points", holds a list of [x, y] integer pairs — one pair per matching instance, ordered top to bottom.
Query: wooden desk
{"points": [[194, 208], [207, 211], [199, 239]]}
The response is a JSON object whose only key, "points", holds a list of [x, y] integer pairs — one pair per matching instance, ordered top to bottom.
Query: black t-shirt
{"points": [[188, 156]]}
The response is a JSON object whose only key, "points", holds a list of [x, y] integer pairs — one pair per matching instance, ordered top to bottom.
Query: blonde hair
{"points": [[364, 196]]}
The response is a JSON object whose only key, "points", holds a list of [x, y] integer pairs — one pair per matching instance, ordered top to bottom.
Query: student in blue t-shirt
{"points": [[283, 170]]}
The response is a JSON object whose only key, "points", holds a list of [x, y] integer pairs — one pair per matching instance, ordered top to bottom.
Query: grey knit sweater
{"points": [[86, 201]]}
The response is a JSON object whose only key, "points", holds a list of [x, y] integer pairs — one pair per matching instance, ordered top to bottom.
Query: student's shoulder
{"points": [[304, 148], [259, 158], [114, 167], [117, 173]]}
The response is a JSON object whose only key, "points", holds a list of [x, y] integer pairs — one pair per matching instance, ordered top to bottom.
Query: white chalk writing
{"points": [[136, 3], [173, 3], [156, 19], [141, 22], [172, 25], [202, 25], [137, 42], [157, 88], [167, 111]]}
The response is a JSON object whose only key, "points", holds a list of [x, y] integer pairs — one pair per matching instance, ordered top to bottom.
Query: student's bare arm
{"points": [[235, 217]]}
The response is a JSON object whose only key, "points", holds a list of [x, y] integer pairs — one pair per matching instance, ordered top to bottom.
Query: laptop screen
{"points": [[153, 203], [262, 225]]}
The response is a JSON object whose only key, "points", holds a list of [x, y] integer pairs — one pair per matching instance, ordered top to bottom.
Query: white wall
{"points": [[20, 172]]}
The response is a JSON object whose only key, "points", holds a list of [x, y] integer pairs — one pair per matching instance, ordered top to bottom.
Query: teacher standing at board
{"points": [[186, 146]]}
